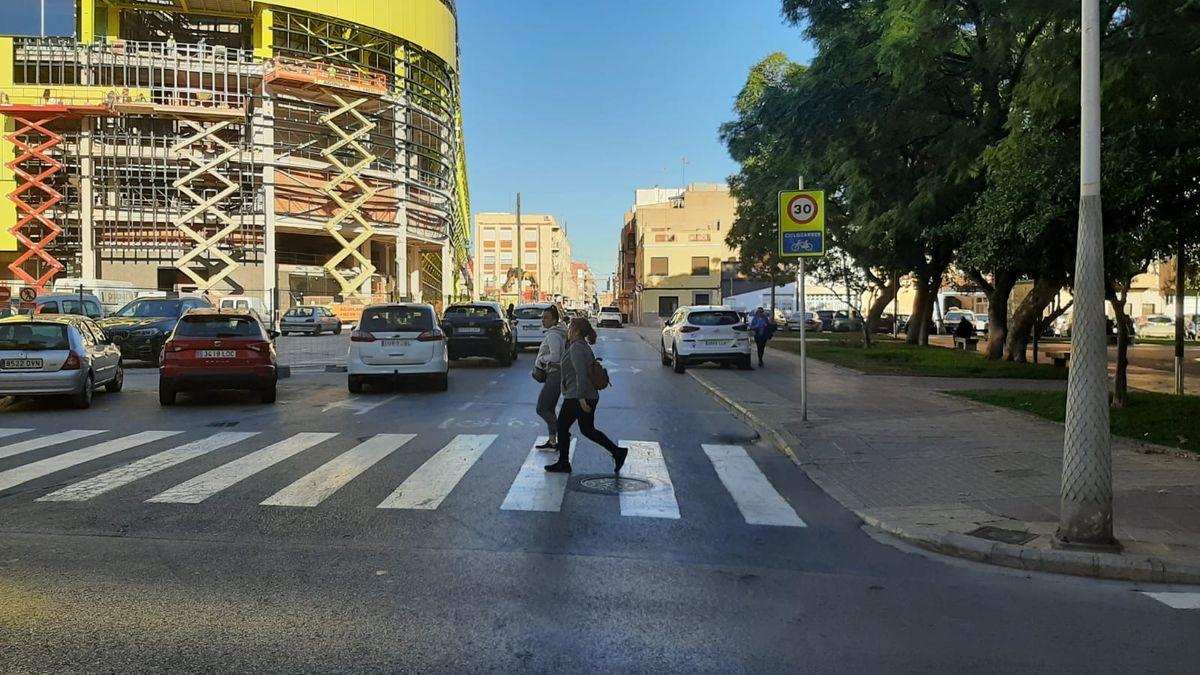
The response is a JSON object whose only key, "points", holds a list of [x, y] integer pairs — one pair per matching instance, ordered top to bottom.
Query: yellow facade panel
{"points": [[428, 23]]}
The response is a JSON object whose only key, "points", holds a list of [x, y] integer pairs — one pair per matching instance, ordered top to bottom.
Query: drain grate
{"points": [[608, 484], [1002, 535]]}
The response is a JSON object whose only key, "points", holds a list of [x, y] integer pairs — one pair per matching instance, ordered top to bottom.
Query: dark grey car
{"points": [[312, 320]]}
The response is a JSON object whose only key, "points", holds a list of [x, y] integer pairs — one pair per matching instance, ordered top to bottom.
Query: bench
{"points": [[966, 344], [1060, 358]]}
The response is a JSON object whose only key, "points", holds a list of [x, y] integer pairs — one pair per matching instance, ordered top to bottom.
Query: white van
{"points": [[113, 295], [253, 304]]}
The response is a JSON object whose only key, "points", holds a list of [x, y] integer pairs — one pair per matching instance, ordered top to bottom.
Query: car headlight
{"points": [[145, 332]]}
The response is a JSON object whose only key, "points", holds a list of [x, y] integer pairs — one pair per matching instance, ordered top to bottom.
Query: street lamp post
{"points": [[1085, 507]]}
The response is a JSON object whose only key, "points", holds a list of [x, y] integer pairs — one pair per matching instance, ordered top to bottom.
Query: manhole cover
{"points": [[608, 484], [1002, 535]]}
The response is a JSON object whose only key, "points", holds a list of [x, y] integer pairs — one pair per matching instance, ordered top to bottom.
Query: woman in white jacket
{"points": [[549, 358]]}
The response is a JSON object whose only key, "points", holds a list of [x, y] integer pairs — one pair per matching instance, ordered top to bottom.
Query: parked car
{"points": [[112, 295], [85, 305], [610, 316], [826, 317], [951, 318], [311, 319], [846, 322], [981, 322], [527, 323], [812, 324], [887, 324], [1157, 326], [141, 327], [479, 329], [705, 333], [397, 340], [212, 349], [54, 354]]}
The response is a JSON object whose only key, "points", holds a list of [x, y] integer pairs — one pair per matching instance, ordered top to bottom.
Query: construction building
{"points": [[294, 149], [672, 250], [542, 260]]}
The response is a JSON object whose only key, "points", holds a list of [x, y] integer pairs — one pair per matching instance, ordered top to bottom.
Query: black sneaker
{"points": [[548, 445], [619, 459], [559, 467]]}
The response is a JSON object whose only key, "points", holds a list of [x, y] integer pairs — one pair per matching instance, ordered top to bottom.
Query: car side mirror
{"points": [[273, 333]]}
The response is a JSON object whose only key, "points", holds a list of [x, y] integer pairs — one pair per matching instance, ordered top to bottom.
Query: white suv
{"points": [[609, 316], [527, 323], [705, 333], [397, 340]]}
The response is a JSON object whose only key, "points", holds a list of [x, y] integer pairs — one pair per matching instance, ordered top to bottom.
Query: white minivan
{"points": [[113, 295], [397, 340]]}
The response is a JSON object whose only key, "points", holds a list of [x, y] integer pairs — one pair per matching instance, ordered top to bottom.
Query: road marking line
{"points": [[359, 407], [5, 433], [47, 441], [646, 461], [35, 470], [124, 475], [432, 481], [210, 483], [317, 486], [534, 488], [759, 502], [1177, 600]]}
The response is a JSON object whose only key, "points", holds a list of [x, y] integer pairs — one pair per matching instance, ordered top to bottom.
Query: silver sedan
{"points": [[49, 355]]}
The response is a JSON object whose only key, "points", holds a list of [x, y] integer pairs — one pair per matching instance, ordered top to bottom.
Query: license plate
{"points": [[466, 331], [396, 343], [714, 343], [218, 353], [22, 364]]}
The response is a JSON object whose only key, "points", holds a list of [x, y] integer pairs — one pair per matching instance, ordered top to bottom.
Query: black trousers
{"points": [[761, 343], [570, 413]]}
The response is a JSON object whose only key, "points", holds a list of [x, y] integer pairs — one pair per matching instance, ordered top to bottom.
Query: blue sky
{"points": [[574, 104]]}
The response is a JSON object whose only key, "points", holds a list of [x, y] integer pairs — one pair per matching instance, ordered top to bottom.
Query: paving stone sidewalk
{"points": [[931, 468]]}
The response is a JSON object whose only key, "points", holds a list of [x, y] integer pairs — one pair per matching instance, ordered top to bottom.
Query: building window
{"points": [[489, 234], [506, 234], [531, 235], [698, 236], [664, 238], [630, 241], [489, 259], [506, 259], [700, 266], [658, 267], [631, 272], [702, 299], [667, 304], [1147, 309]]}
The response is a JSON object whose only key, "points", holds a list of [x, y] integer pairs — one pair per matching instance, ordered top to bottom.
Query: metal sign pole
{"points": [[803, 336]]}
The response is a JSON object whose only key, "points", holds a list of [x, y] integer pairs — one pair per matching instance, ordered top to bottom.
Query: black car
{"points": [[826, 317], [141, 327], [478, 329]]}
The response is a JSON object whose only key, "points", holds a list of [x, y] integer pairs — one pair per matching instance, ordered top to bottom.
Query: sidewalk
{"points": [[933, 469]]}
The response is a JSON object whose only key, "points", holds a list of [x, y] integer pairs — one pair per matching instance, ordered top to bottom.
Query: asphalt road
{"points": [[109, 563]]}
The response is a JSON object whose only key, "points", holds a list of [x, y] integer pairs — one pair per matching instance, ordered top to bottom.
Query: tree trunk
{"points": [[887, 293], [920, 312], [998, 313], [1028, 316], [1121, 381]]}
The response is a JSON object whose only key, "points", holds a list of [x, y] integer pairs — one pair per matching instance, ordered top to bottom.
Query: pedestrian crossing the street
{"points": [[426, 488]]}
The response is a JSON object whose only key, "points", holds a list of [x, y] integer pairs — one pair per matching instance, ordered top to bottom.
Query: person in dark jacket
{"points": [[964, 329], [763, 330], [580, 398]]}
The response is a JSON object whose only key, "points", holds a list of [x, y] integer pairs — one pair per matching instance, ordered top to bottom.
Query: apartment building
{"points": [[672, 249], [543, 258], [584, 285]]}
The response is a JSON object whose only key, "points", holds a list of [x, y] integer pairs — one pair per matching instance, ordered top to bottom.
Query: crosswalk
{"points": [[426, 488]]}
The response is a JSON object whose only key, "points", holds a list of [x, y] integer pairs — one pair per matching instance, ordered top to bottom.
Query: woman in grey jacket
{"points": [[549, 357], [580, 399]]}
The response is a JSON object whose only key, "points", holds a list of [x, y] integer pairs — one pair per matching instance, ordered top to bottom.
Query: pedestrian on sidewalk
{"points": [[511, 312], [763, 329], [965, 329], [546, 370], [580, 398]]}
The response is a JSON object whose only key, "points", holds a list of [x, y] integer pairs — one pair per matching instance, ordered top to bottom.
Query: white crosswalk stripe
{"points": [[5, 433], [47, 441], [646, 461], [35, 470], [124, 475], [432, 482], [210, 483], [317, 486], [534, 488], [754, 495], [1176, 600]]}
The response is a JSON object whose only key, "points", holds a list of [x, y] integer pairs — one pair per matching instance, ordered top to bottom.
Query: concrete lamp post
{"points": [[1085, 517]]}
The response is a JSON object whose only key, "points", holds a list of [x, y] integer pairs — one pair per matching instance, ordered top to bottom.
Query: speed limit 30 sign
{"points": [[802, 223]]}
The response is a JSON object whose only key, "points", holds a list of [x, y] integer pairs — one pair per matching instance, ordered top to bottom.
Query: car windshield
{"points": [[152, 307], [611, 310], [472, 312], [529, 312], [714, 318], [1159, 319], [397, 320], [217, 327], [33, 336]]}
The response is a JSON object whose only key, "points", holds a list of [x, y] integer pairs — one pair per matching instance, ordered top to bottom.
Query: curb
{"points": [[1075, 563]]}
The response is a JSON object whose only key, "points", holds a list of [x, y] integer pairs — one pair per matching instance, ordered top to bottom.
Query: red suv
{"points": [[218, 349]]}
